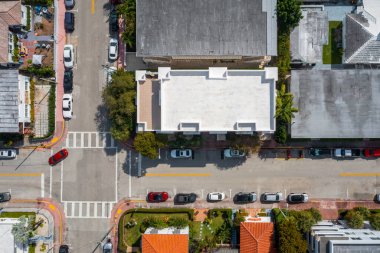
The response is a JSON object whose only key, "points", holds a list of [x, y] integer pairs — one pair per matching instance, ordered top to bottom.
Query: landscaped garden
{"points": [[332, 52], [215, 229]]}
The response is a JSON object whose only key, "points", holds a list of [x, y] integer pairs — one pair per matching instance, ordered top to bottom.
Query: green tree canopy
{"points": [[128, 10], [288, 14], [119, 99], [284, 105], [148, 144], [315, 213], [354, 219], [305, 220], [375, 221], [23, 230], [290, 238]]}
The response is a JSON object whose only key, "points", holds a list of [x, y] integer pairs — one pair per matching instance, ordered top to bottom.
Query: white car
{"points": [[113, 49], [68, 56], [67, 106], [181, 153], [231, 153], [8, 154], [216, 196]]}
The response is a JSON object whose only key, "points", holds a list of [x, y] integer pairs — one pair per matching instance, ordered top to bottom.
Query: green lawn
{"points": [[331, 53], [16, 214], [132, 236]]}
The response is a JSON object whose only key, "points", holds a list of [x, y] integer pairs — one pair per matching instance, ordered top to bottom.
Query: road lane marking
{"points": [[92, 7], [20, 174], [178, 174], [352, 174], [42, 185]]}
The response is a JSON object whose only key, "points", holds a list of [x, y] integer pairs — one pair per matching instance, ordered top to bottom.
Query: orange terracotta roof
{"points": [[257, 237], [165, 243]]}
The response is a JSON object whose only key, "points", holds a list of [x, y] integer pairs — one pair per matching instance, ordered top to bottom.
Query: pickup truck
{"points": [[339, 152]]}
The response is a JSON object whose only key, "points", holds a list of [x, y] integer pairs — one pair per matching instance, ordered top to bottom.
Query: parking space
{"points": [[89, 175]]}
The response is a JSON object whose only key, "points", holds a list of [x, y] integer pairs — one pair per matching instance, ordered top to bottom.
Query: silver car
{"points": [[69, 4], [113, 49], [181, 153], [8, 154]]}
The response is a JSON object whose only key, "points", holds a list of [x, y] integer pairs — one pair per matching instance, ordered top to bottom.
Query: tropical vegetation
{"points": [[128, 11]]}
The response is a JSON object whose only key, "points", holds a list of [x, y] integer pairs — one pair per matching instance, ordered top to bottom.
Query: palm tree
{"points": [[284, 109]]}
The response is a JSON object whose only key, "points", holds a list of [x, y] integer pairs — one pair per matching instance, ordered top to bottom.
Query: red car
{"points": [[372, 152], [59, 156], [157, 196]]}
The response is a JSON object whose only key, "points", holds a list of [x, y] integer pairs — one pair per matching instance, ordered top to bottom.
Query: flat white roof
{"points": [[239, 100]]}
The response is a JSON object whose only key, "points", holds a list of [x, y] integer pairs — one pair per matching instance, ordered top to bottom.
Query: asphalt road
{"points": [[321, 178], [85, 190]]}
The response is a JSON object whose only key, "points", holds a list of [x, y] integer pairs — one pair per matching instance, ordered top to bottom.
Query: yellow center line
{"points": [[92, 7], [20, 174], [178, 174], [362, 174]]}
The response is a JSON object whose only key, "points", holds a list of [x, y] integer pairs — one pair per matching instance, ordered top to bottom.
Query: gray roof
{"points": [[206, 28], [356, 34], [308, 38], [9, 101], [336, 103], [357, 248]]}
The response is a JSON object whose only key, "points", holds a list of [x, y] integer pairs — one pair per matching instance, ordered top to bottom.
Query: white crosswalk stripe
{"points": [[89, 140], [88, 209]]}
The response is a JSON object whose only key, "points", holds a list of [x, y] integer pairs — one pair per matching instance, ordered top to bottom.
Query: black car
{"points": [[69, 21], [114, 23], [68, 81], [319, 152], [5, 196], [185, 198], [243, 198], [298, 198], [63, 249]]}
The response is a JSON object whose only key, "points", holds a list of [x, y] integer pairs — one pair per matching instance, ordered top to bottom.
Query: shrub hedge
{"points": [[190, 212]]}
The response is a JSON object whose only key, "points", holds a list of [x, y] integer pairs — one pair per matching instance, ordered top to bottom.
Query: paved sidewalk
{"points": [[330, 208]]}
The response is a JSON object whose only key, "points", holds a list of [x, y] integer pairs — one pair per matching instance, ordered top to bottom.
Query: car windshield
{"points": [[113, 44], [68, 59], [68, 107], [9, 153], [157, 197], [297, 197]]}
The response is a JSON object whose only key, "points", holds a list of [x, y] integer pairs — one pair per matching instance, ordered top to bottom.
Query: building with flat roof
{"points": [[205, 29], [216, 100], [336, 103], [329, 237]]}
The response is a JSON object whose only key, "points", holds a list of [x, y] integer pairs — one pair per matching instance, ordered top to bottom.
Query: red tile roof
{"points": [[257, 237], [165, 243]]}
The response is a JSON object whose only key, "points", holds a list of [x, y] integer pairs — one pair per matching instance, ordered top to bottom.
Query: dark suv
{"points": [[69, 21], [114, 24], [68, 81], [185, 198], [63, 249]]}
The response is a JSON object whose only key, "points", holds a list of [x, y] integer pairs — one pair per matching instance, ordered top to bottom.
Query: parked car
{"points": [[69, 4], [69, 21], [114, 22], [113, 49], [68, 56], [110, 71], [68, 81], [67, 106], [319, 152], [371, 152], [181, 153], [233, 153], [340, 153], [8, 154], [58, 157], [5, 196], [157, 196], [216, 196], [245, 197], [271, 197], [185, 198], [298, 198], [377, 198], [107, 247], [63, 249]]}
